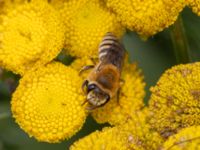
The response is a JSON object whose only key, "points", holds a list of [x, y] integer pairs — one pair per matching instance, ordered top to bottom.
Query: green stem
{"points": [[180, 43], [4, 115]]}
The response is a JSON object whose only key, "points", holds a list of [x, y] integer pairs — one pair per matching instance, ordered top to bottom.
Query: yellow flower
{"points": [[195, 5], [146, 17], [86, 23], [31, 35], [130, 98], [175, 99], [48, 103], [134, 134], [141, 136], [107, 139], [186, 139]]}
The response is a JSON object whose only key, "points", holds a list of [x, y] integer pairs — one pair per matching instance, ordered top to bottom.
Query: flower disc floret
{"points": [[8, 5], [195, 5], [146, 17], [86, 23], [30, 36], [175, 100], [47, 104], [186, 139]]}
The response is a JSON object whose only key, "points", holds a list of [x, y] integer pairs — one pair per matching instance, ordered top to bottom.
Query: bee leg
{"points": [[94, 61], [99, 67], [85, 68], [85, 84], [117, 96], [90, 108]]}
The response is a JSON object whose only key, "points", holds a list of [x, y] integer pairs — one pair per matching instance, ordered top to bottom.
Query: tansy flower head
{"points": [[146, 17], [86, 23], [30, 36], [130, 97], [175, 99], [47, 103], [134, 134], [140, 135], [108, 139], [186, 139]]}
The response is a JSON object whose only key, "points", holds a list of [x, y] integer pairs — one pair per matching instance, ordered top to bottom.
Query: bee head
{"points": [[96, 97]]}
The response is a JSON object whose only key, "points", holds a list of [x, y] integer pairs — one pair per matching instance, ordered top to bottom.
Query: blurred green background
{"points": [[153, 56]]}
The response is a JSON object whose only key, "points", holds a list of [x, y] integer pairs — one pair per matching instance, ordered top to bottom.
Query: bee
{"points": [[103, 82]]}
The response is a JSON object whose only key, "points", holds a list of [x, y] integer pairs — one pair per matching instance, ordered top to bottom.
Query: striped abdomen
{"points": [[111, 51]]}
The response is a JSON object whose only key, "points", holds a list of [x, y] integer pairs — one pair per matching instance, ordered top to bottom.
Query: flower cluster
{"points": [[48, 102], [174, 103], [167, 123]]}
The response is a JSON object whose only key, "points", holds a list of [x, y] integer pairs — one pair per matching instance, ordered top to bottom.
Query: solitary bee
{"points": [[103, 82]]}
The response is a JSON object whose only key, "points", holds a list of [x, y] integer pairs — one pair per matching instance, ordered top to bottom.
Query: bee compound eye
{"points": [[91, 87]]}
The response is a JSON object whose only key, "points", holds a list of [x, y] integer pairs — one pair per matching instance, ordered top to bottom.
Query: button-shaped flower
{"points": [[146, 17], [86, 23], [30, 36], [131, 94], [175, 100], [47, 104], [134, 134], [108, 138]]}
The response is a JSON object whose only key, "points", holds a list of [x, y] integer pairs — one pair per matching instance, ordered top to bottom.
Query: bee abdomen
{"points": [[111, 50]]}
